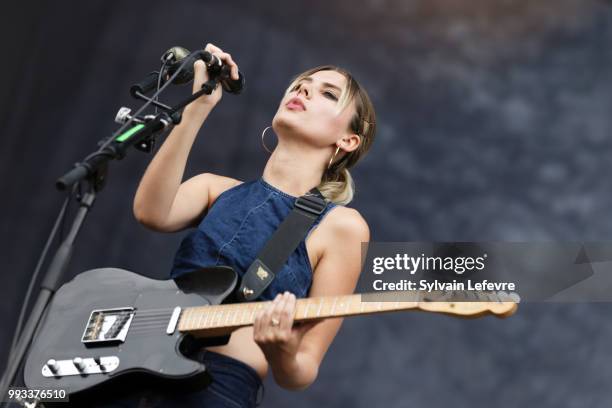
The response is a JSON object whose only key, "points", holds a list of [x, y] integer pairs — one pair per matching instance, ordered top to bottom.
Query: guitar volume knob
{"points": [[98, 361], [78, 363], [52, 365]]}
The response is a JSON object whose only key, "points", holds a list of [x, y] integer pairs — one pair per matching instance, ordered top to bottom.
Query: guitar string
{"points": [[170, 310], [145, 318], [162, 319], [140, 321]]}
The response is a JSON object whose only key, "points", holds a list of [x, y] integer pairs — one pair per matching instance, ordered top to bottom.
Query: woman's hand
{"points": [[207, 102], [275, 332]]}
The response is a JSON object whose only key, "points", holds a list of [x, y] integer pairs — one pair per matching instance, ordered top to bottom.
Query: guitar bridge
{"points": [[108, 325]]}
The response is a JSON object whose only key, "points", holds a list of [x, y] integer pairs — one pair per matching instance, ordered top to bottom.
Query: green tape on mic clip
{"points": [[125, 136]]}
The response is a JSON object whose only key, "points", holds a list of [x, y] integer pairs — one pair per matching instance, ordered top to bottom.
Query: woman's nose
{"points": [[304, 89]]}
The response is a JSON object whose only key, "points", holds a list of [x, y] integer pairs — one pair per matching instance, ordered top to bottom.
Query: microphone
{"points": [[173, 58], [216, 67]]}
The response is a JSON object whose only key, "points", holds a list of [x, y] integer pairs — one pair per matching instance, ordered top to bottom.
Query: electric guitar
{"points": [[113, 328]]}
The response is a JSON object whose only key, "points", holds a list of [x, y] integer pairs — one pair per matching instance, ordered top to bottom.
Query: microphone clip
{"points": [[147, 145]]}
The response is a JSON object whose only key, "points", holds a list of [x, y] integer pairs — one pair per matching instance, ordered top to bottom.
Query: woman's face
{"points": [[311, 109]]}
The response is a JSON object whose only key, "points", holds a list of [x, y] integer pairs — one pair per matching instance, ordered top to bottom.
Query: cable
{"points": [[159, 77], [143, 107], [101, 151], [58, 222]]}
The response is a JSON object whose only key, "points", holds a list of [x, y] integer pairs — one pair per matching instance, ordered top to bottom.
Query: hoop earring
{"points": [[263, 143], [333, 157]]}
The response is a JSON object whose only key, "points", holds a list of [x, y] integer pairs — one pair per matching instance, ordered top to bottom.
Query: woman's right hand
{"points": [[201, 76]]}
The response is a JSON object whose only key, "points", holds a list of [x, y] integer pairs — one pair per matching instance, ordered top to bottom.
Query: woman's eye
{"points": [[330, 95]]}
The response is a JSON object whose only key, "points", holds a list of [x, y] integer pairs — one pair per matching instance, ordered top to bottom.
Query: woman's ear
{"points": [[350, 142]]}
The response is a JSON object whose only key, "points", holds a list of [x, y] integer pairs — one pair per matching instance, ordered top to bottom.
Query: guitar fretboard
{"points": [[233, 316], [217, 320]]}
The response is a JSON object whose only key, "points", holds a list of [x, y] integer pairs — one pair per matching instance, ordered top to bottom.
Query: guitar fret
{"points": [[334, 305], [320, 306], [306, 308], [206, 313], [229, 314], [220, 315], [235, 315], [245, 315], [194, 316], [210, 316], [207, 317], [189, 318], [184, 319], [199, 319]]}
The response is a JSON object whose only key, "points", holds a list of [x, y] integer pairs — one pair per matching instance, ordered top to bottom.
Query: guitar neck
{"points": [[209, 321]]}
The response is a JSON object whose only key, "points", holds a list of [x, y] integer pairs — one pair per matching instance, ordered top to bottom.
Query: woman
{"points": [[325, 123]]}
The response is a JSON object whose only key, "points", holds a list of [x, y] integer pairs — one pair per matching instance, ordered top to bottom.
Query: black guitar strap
{"points": [[281, 245]]}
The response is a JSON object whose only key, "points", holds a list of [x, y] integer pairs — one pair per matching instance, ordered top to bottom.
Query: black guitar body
{"points": [[146, 357]]}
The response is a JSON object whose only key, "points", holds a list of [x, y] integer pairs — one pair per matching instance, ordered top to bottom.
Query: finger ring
{"points": [[275, 321]]}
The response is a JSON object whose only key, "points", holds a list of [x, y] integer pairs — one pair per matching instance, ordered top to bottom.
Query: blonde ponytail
{"points": [[338, 187]]}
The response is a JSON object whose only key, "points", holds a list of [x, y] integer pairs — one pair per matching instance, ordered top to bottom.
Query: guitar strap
{"points": [[282, 243]]}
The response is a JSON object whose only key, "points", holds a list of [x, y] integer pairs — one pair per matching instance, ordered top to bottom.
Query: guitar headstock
{"points": [[499, 304]]}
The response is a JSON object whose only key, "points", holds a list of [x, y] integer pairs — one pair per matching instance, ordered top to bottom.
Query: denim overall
{"points": [[235, 229]]}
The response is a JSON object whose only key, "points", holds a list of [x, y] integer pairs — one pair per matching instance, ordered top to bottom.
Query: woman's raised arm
{"points": [[161, 202]]}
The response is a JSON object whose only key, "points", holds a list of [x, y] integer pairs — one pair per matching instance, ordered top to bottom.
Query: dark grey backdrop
{"points": [[494, 121]]}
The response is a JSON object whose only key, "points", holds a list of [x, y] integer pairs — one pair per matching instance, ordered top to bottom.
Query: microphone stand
{"points": [[93, 169]]}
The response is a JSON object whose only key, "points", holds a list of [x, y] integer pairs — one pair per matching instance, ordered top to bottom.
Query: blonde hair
{"points": [[337, 185]]}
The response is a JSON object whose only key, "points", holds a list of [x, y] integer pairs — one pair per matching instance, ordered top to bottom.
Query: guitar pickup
{"points": [[108, 325]]}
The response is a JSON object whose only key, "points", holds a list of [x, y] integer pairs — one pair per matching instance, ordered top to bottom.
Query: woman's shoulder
{"points": [[218, 184], [344, 223], [340, 233]]}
